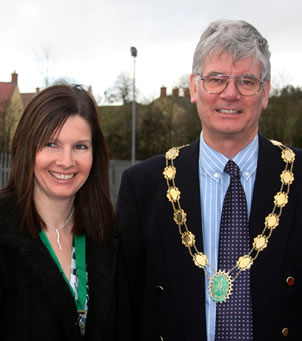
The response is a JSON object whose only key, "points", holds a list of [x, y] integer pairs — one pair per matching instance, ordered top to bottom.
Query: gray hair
{"points": [[239, 38]]}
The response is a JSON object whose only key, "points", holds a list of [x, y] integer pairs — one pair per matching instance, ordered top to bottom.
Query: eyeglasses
{"points": [[245, 84]]}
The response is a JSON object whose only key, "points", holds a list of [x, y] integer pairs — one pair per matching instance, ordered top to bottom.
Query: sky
{"points": [[88, 41]]}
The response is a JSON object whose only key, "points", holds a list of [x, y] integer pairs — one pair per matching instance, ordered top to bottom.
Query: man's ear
{"points": [[193, 88], [266, 94]]}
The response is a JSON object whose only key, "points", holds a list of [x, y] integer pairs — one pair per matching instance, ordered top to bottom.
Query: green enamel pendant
{"points": [[220, 286]]}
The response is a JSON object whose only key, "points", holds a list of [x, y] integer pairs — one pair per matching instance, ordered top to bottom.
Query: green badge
{"points": [[220, 286]]}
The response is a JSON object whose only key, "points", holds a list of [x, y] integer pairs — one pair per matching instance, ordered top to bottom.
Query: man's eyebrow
{"points": [[215, 73], [248, 75]]}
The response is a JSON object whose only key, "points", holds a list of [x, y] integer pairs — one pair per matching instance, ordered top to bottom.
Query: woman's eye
{"points": [[51, 144], [81, 146]]}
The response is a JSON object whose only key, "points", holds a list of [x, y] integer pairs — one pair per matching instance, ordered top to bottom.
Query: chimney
{"points": [[14, 78], [37, 90], [163, 91], [175, 92], [187, 93]]}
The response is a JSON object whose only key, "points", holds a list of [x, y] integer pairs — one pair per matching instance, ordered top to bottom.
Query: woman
{"points": [[58, 257]]}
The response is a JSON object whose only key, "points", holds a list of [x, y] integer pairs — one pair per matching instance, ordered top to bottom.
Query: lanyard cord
{"points": [[80, 250]]}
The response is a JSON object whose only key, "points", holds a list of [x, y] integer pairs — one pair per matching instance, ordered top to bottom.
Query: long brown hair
{"points": [[42, 118]]}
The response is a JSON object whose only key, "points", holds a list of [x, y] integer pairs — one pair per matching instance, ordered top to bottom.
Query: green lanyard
{"points": [[80, 246]]}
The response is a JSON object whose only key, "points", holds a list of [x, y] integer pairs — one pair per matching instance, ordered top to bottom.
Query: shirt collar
{"points": [[212, 162]]}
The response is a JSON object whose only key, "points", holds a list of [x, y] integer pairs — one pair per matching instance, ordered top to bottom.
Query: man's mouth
{"points": [[228, 111]]}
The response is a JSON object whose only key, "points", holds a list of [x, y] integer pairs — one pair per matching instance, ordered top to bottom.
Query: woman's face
{"points": [[63, 165]]}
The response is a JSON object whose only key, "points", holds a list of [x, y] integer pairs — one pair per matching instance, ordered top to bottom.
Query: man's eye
{"points": [[216, 80], [247, 82]]}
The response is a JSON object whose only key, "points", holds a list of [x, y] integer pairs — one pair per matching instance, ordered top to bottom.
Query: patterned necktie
{"points": [[234, 316]]}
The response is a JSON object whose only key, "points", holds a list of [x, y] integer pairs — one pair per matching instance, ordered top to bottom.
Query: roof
{"points": [[6, 92], [27, 97], [182, 101]]}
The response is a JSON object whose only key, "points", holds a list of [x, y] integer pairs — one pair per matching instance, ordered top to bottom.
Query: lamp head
{"points": [[133, 51]]}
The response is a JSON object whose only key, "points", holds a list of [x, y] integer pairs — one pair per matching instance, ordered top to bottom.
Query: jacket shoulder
{"points": [[156, 164]]}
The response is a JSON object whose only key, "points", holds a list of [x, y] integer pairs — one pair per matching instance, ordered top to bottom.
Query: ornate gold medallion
{"points": [[172, 153], [288, 155], [169, 173], [287, 177], [173, 194], [281, 199], [180, 217], [271, 221], [188, 239], [260, 242], [200, 260], [244, 262], [220, 286]]}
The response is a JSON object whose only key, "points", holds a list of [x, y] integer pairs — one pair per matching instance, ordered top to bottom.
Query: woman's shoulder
{"points": [[6, 206], [8, 229]]}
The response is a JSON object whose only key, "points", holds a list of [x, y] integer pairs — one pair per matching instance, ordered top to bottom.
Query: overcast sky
{"points": [[89, 40]]}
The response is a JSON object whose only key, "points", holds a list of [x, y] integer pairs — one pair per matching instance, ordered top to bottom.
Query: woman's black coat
{"points": [[36, 302]]}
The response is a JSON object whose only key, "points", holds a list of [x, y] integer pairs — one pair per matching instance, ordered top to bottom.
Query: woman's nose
{"points": [[66, 158]]}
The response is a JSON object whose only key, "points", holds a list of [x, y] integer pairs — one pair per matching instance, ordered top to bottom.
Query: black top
{"points": [[36, 302]]}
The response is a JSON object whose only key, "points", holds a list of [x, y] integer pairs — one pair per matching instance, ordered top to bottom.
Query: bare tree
{"points": [[45, 59], [183, 82], [279, 82], [122, 91]]}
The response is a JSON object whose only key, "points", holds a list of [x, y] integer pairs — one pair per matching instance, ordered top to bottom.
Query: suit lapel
{"points": [[266, 268], [187, 279]]}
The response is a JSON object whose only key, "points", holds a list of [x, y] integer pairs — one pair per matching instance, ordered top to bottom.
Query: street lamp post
{"points": [[134, 55]]}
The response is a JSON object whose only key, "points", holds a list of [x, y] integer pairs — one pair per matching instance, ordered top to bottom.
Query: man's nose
{"points": [[231, 91]]}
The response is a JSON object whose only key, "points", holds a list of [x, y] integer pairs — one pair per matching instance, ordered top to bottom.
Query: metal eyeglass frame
{"points": [[229, 77]]}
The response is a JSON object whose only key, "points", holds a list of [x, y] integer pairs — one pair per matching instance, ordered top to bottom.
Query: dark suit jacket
{"points": [[167, 289]]}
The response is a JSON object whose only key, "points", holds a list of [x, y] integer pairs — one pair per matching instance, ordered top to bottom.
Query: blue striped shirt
{"points": [[213, 186]]}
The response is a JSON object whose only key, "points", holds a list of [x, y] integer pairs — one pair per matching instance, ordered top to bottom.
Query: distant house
{"points": [[28, 96], [12, 104], [11, 108], [170, 120]]}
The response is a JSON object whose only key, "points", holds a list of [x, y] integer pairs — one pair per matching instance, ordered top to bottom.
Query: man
{"points": [[177, 211]]}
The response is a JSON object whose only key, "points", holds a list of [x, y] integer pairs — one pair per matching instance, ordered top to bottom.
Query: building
{"points": [[12, 104], [11, 108], [169, 120]]}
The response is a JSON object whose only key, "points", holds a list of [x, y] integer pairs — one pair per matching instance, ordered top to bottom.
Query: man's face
{"points": [[229, 115]]}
